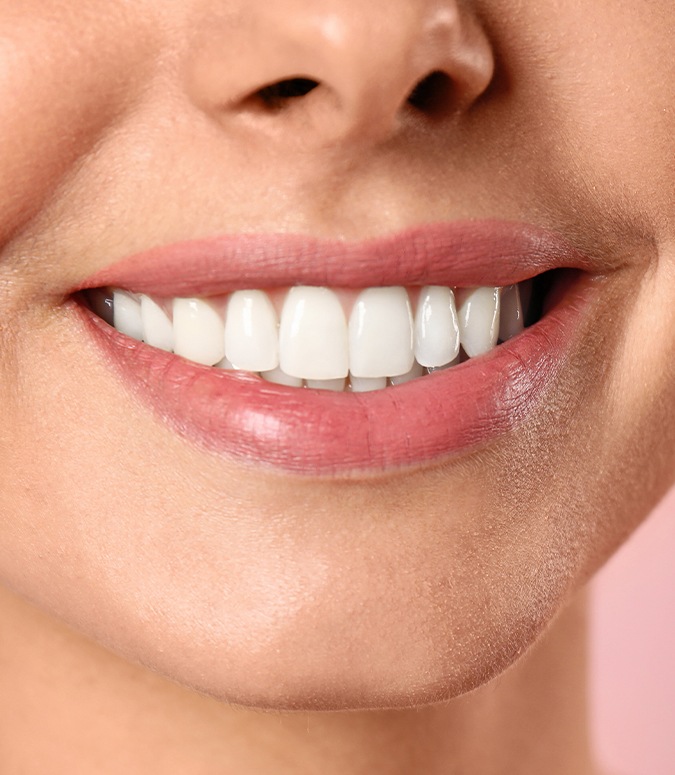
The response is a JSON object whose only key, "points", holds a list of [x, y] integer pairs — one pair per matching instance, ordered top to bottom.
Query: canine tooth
{"points": [[478, 313], [511, 313], [127, 315], [157, 326], [436, 327], [199, 331], [252, 332], [381, 333], [313, 341], [417, 371], [281, 378], [367, 384], [335, 385]]}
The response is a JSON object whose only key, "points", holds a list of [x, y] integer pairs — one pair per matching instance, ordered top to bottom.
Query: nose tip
{"points": [[354, 68]]}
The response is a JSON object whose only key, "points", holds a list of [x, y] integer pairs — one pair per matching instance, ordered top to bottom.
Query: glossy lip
{"points": [[463, 253], [318, 433]]}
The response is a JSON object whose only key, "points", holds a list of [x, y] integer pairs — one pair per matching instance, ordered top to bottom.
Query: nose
{"points": [[339, 69]]}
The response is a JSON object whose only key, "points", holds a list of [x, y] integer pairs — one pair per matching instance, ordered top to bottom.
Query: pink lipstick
{"points": [[317, 433]]}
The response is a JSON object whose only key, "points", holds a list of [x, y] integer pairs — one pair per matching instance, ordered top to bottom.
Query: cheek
{"points": [[64, 77], [597, 79]]}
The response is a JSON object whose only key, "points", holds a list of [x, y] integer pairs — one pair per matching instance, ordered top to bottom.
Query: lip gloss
{"points": [[318, 433]]}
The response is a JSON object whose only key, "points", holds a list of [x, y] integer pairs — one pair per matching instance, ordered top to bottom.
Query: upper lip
{"points": [[464, 253]]}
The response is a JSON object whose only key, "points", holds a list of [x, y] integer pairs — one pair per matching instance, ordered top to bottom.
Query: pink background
{"points": [[633, 652]]}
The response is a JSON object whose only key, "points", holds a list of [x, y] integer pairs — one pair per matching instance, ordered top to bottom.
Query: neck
{"points": [[66, 701]]}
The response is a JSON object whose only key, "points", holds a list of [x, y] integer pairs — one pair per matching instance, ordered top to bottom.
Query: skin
{"points": [[149, 587]]}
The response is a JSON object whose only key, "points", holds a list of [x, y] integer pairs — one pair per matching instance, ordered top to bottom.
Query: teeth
{"points": [[478, 313], [127, 315], [511, 320], [157, 326], [436, 327], [199, 331], [381, 333], [251, 338], [313, 340], [311, 343], [455, 362], [225, 364], [417, 371], [281, 378], [367, 384], [335, 385]]}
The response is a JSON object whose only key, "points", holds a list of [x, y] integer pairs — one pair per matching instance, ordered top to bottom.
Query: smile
{"points": [[214, 337], [318, 338]]}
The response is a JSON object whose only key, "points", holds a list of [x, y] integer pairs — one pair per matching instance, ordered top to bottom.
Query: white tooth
{"points": [[478, 312], [127, 315], [511, 315], [157, 326], [436, 327], [199, 331], [251, 332], [381, 333], [313, 335], [225, 364], [433, 369], [417, 371], [280, 378], [366, 384], [335, 385]]}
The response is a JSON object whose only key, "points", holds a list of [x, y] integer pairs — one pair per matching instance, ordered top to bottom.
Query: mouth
{"points": [[328, 358]]}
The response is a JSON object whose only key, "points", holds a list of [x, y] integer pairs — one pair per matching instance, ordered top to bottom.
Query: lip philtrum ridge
{"points": [[319, 433]]}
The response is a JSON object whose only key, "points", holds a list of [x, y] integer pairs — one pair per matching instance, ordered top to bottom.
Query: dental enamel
{"points": [[318, 338]]}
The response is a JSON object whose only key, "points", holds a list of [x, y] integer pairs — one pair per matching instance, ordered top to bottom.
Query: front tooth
{"points": [[478, 313], [127, 315], [511, 320], [157, 326], [436, 327], [199, 331], [251, 332], [381, 333], [313, 340], [281, 378], [367, 384], [334, 385]]}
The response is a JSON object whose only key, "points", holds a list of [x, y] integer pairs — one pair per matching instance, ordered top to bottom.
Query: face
{"points": [[288, 547]]}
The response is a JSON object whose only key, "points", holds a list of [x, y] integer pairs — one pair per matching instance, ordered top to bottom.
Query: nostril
{"points": [[432, 94], [277, 95]]}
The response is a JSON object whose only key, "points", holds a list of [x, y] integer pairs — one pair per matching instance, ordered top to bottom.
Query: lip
{"points": [[463, 253], [318, 433]]}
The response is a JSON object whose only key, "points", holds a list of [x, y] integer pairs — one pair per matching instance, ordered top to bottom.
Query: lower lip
{"points": [[318, 433]]}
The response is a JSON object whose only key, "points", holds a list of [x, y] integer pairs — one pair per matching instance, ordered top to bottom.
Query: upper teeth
{"points": [[320, 336]]}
